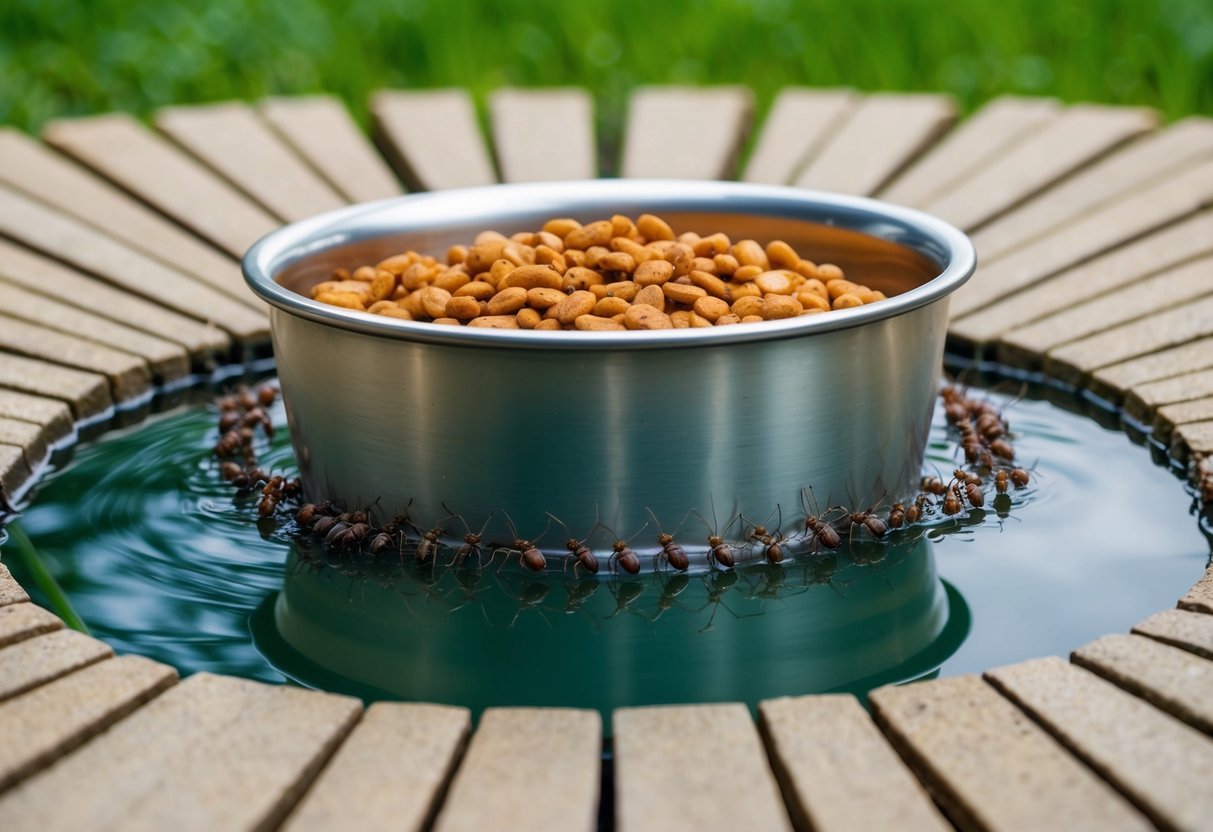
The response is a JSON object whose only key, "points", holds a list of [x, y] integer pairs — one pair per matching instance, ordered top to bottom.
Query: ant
{"points": [[970, 484], [952, 503], [918, 509], [897, 516], [869, 521], [816, 525], [471, 540], [772, 541], [429, 544], [719, 552], [528, 553], [622, 554], [674, 554], [583, 557]]}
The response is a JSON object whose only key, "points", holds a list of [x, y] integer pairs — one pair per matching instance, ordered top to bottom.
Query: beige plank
{"points": [[801, 120], [321, 131], [685, 132], [544, 134], [884, 134], [1078, 136], [432, 138], [977, 142], [240, 147], [30, 167], [1125, 171], [166, 177], [1114, 224], [70, 240], [1166, 248], [36, 273], [1091, 313], [166, 360], [1073, 361], [129, 376], [1111, 383], [88, 394], [1143, 399], [1170, 416], [54, 417], [27, 436], [1193, 439], [15, 472], [10, 591], [1198, 599], [21, 621], [1186, 630], [36, 661], [1173, 679], [40, 726], [213, 752], [518, 754], [1157, 762], [669, 766], [989, 766], [837, 770], [356, 789]]}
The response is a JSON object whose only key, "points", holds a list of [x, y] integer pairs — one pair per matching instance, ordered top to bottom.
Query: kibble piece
{"points": [[561, 226], [654, 227], [594, 234], [712, 245], [639, 253], [750, 253], [518, 254], [782, 255], [482, 256], [548, 256], [680, 257], [617, 261], [704, 264], [726, 264], [500, 270], [828, 272], [653, 273], [747, 273], [531, 277], [580, 277], [452, 281], [775, 282], [711, 284], [382, 286], [838, 286], [358, 287], [477, 289], [625, 289], [744, 290], [679, 293], [651, 296], [541, 299], [348, 300], [812, 300], [434, 301], [508, 301], [847, 301], [749, 305], [574, 306], [607, 307], [777, 307], [462, 308], [710, 308], [397, 312], [643, 316], [527, 318], [680, 319], [753, 319], [725, 320], [495, 322], [593, 323], [552, 324]]}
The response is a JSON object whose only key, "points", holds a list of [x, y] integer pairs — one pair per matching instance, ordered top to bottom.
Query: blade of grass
{"points": [[45, 581]]}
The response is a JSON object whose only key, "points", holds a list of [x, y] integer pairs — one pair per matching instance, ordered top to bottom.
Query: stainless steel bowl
{"points": [[614, 428]]}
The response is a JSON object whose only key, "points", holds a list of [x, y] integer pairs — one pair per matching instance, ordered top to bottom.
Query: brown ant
{"points": [[1019, 477], [933, 485], [952, 503], [918, 509], [897, 516], [868, 519], [817, 525], [471, 540], [772, 541], [429, 544], [719, 552], [528, 553], [622, 554], [674, 554], [583, 557]]}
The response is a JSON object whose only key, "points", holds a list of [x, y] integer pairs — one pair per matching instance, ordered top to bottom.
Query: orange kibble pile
{"points": [[611, 274]]}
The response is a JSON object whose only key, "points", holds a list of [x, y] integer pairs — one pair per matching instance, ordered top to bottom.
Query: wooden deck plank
{"points": [[800, 121], [321, 130], [685, 132], [544, 134], [884, 134], [1078, 136], [432, 138], [979, 140], [240, 147], [1133, 167], [32, 168], [164, 176], [1101, 230], [70, 240], [1166, 248], [36, 273], [1094, 312], [166, 360], [1074, 361], [129, 376], [1112, 382], [88, 394], [1144, 399], [53, 416], [1168, 417], [27, 436], [1192, 440], [15, 470], [10, 591], [21, 621], [1184, 629], [36, 661], [1173, 679], [48, 722], [212, 752], [1157, 762], [669, 766], [988, 766], [528, 769], [837, 771], [360, 788]]}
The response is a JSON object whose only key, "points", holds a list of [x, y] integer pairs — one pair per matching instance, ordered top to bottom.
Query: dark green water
{"points": [[159, 558]]}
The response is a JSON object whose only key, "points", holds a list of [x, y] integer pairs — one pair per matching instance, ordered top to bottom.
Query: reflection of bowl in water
{"points": [[605, 426], [511, 639]]}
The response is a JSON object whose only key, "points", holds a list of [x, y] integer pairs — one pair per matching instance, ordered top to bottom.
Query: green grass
{"points": [[67, 57], [45, 586]]}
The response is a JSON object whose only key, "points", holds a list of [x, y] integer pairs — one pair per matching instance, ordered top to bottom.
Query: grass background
{"points": [[73, 57]]}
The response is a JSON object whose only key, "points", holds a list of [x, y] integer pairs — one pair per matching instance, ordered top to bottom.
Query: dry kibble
{"points": [[561, 226], [654, 227], [594, 234], [639, 253], [750, 253], [782, 255], [617, 261], [704, 264], [726, 264], [500, 270], [654, 272], [828, 272], [747, 273], [530, 277], [579, 277], [451, 281], [774, 283], [711, 284], [382, 286], [839, 287], [477, 289], [625, 289], [744, 290], [679, 293], [651, 296], [541, 299], [349, 300], [434, 300], [812, 300], [508, 301], [847, 301], [380, 306], [574, 306], [608, 307], [742, 307], [777, 307], [462, 308], [710, 308], [643, 316], [527, 318], [680, 319], [753, 319], [725, 320], [447, 321], [698, 321], [495, 322], [593, 323], [548, 324]]}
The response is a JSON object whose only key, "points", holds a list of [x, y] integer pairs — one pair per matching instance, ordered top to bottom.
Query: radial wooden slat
{"points": [[799, 122], [320, 130], [685, 132], [545, 134], [882, 135], [432, 138], [233, 141], [975, 143], [164, 176], [129, 376], [1112, 382], [88, 394], [1143, 400], [54, 417], [1171, 417], [27, 436], [1193, 439], [15, 471], [10, 591], [21, 621], [1184, 629], [36, 661], [1157, 762]]}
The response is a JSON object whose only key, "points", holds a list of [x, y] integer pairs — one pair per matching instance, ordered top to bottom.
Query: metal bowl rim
{"points": [[291, 243]]}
